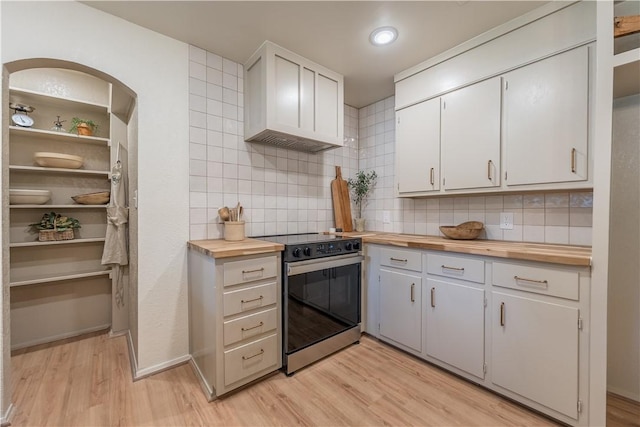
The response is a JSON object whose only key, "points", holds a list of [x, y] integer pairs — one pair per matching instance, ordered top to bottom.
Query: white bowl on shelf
{"points": [[58, 160], [28, 197]]}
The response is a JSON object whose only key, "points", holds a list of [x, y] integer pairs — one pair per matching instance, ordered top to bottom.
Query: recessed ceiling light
{"points": [[383, 35]]}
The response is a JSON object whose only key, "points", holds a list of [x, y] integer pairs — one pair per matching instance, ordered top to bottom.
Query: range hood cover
{"points": [[292, 142]]}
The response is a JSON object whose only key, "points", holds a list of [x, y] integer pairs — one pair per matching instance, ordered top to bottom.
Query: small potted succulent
{"points": [[83, 126], [361, 186], [54, 226]]}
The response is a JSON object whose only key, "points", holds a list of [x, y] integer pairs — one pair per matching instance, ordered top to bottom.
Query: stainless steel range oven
{"points": [[321, 296]]}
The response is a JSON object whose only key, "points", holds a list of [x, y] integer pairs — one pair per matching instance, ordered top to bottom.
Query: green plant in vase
{"points": [[83, 126], [361, 186]]}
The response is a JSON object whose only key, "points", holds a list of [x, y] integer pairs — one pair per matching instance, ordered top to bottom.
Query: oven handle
{"points": [[300, 267]]}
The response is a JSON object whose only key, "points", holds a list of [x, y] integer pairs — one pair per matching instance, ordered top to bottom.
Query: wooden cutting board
{"points": [[341, 202]]}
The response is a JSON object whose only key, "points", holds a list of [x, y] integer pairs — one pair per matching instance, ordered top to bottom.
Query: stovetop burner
{"points": [[304, 246]]}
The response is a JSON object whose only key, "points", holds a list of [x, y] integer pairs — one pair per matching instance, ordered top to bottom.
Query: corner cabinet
{"points": [[290, 101], [59, 288], [234, 319]]}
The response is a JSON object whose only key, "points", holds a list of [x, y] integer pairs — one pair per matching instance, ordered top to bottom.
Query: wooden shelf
{"points": [[34, 98], [52, 135], [19, 168], [58, 206], [56, 242], [48, 279]]}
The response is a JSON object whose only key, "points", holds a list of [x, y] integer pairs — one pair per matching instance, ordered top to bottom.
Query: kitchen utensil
{"points": [[58, 160], [28, 197], [99, 198], [341, 202], [240, 212], [223, 213], [466, 231]]}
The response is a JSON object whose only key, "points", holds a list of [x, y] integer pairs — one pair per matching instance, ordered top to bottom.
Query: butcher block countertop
{"points": [[220, 248], [556, 254]]}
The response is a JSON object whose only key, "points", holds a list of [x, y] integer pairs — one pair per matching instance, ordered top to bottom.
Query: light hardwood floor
{"points": [[87, 382]]}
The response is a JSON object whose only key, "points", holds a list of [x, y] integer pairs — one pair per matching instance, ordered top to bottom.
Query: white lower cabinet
{"points": [[401, 308], [234, 319], [455, 325], [519, 328], [534, 350]]}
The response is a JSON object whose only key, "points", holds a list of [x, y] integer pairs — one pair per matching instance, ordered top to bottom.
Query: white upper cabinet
{"points": [[292, 102], [546, 120], [471, 136], [418, 154]]}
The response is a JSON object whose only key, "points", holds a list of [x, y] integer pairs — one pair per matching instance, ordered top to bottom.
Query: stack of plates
{"points": [[58, 160], [28, 197]]}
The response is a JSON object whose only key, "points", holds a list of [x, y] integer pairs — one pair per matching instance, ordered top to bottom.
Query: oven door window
{"points": [[321, 304]]}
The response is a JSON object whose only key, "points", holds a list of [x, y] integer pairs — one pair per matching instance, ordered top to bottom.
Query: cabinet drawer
{"points": [[406, 260], [469, 269], [250, 270], [545, 280], [249, 298], [250, 326], [254, 357]]}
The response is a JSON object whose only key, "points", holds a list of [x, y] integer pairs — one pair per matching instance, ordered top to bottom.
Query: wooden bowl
{"points": [[58, 160], [99, 198], [466, 231]]}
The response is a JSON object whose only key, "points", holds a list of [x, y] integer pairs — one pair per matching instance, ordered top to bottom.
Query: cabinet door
{"points": [[545, 117], [470, 136], [418, 147], [400, 308], [455, 325], [535, 351]]}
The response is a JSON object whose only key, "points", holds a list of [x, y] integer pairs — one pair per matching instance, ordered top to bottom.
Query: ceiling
{"points": [[334, 34]]}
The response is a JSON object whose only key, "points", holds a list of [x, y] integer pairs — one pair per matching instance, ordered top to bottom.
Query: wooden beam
{"points": [[625, 25]]}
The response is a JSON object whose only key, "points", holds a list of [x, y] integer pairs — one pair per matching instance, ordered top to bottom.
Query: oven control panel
{"points": [[313, 250]]}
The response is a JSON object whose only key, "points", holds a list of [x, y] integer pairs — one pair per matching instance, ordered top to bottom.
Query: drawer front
{"points": [[398, 258], [462, 268], [250, 270], [544, 280], [249, 298], [250, 326], [254, 357]]}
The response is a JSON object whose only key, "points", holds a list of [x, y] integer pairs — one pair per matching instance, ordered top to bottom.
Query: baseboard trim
{"points": [[59, 337], [133, 362], [151, 370], [209, 392], [624, 393], [6, 417]]}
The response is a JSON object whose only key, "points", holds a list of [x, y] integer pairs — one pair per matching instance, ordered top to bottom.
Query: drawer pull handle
{"points": [[573, 160], [432, 176], [398, 259], [446, 267], [253, 271], [524, 279], [413, 297], [433, 297], [251, 300], [501, 314], [253, 327], [260, 353]]}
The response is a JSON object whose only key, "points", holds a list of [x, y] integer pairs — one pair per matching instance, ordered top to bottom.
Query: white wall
{"points": [[155, 67], [623, 356]]}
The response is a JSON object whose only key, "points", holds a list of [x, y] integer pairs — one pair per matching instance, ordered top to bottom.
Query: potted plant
{"points": [[83, 126], [361, 186], [54, 226]]}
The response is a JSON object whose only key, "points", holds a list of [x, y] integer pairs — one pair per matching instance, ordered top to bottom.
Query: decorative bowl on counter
{"points": [[58, 160], [28, 197], [99, 198], [466, 231]]}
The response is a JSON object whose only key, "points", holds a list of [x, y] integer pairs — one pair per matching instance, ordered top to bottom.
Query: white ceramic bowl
{"points": [[58, 160], [28, 197]]}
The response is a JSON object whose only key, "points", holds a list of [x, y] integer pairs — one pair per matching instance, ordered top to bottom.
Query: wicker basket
{"points": [[53, 235]]}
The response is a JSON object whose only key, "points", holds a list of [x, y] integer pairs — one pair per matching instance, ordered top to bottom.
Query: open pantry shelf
{"points": [[30, 97], [55, 136], [20, 168], [58, 206], [56, 242], [62, 277]]}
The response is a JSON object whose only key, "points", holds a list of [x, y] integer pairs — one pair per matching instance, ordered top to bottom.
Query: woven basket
{"points": [[53, 235]]}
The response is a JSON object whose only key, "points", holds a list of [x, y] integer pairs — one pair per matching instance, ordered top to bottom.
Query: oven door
{"points": [[321, 299]]}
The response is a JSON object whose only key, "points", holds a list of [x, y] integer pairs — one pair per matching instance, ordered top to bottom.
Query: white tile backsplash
{"points": [[285, 191]]}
